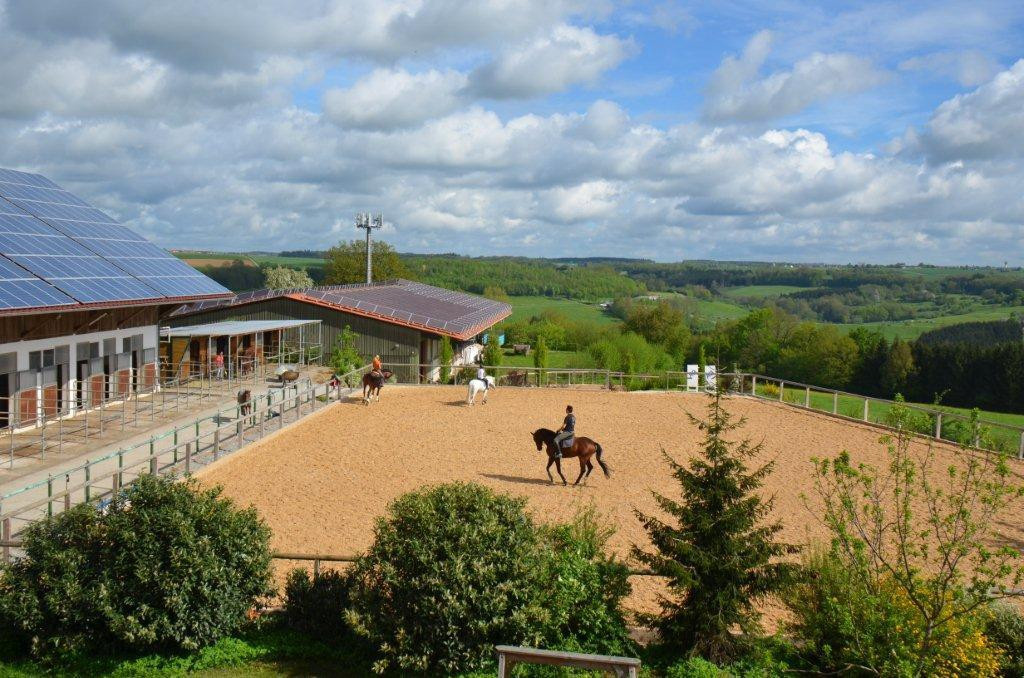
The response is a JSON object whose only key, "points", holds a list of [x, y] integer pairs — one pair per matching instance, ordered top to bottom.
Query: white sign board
{"points": [[710, 376], [692, 377]]}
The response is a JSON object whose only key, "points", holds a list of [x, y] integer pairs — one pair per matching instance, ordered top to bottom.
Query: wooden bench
{"points": [[509, 656]]}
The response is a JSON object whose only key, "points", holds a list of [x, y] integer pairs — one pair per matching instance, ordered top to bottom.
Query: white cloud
{"points": [[548, 63], [736, 93], [391, 98], [985, 123]]}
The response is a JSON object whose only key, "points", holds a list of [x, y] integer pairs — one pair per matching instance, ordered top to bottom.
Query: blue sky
{"points": [[842, 132]]}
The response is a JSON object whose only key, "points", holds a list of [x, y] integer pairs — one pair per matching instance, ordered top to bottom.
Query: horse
{"points": [[372, 385], [475, 386], [245, 404], [584, 448]]}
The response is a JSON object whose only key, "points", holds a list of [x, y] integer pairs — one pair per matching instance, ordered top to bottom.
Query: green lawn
{"points": [[290, 262], [763, 291], [524, 308], [911, 329], [555, 359], [853, 406]]}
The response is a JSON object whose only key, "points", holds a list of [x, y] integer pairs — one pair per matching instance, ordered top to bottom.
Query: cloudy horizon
{"points": [[878, 133]]}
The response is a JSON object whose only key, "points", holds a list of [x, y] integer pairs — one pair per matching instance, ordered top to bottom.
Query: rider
{"points": [[375, 369], [481, 374], [568, 430]]}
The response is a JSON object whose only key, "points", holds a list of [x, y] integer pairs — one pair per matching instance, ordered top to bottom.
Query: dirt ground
{"points": [[321, 484]]}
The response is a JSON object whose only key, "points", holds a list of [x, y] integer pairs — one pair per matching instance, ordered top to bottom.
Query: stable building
{"points": [[82, 298], [400, 320]]}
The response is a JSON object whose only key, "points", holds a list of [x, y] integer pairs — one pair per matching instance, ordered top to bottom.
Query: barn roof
{"points": [[58, 252], [401, 302]]}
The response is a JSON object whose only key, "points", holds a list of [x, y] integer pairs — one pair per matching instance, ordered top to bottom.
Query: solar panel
{"points": [[83, 251], [63, 262], [21, 289]]}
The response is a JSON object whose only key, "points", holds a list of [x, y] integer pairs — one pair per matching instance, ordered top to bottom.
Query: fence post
{"points": [[608, 380], [753, 385], [782, 386], [807, 396], [835, 402], [865, 409], [280, 416], [938, 425], [216, 443], [1020, 452], [188, 456], [152, 458], [120, 466], [88, 477], [49, 495], [5, 534]]}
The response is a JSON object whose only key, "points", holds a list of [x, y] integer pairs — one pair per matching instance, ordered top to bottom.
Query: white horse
{"points": [[477, 385]]}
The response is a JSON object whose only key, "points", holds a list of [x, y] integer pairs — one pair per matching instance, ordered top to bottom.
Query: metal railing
{"points": [[940, 424], [179, 449]]}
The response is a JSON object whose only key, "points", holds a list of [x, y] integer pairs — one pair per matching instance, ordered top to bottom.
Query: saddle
{"points": [[568, 442]]}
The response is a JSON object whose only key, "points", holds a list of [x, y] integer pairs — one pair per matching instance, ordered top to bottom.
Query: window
{"points": [[40, 359]]}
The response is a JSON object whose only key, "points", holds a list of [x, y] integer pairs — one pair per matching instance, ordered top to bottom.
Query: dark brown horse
{"points": [[372, 384], [245, 404], [584, 448]]}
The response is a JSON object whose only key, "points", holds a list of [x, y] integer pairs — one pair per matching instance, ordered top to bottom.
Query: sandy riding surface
{"points": [[320, 484]]}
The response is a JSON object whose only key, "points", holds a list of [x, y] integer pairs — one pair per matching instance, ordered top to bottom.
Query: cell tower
{"points": [[368, 221]]}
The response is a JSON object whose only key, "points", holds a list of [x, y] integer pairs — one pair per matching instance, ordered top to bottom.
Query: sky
{"points": [[769, 131]]}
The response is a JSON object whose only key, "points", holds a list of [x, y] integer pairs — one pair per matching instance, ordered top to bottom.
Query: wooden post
{"points": [[607, 380], [753, 385], [782, 385], [807, 396], [835, 402], [865, 409], [280, 416], [938, 425], [216, 443], [1020, 452], [188, 457], [120, 466], [88, 474], [49, 496], [5, 535], [316, 570]]}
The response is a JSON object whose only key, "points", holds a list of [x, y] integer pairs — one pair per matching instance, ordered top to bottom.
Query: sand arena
{"points": [[321, 483]]}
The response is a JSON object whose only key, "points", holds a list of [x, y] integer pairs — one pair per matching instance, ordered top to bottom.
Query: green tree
{"points": [[346, 263], [283, 278], [495, 293], [655, 322], [492, 350], [447, 353], [345, 356], [540, 359], [702, 363], [897, 368], [922, 533], [718, 555]]}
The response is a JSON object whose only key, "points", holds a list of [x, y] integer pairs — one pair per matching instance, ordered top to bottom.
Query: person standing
{"points": [[218, 363]]}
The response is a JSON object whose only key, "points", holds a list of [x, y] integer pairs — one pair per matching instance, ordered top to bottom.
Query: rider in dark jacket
{"points": [[568, 430]]}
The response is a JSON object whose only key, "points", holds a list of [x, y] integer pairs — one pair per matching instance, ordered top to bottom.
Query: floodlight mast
{"points": [[368, 222]]}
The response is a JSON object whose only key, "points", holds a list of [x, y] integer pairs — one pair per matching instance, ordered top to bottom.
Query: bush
{"points": [[167, 566], [453, 570], [584, 589], [316, 606], [843, 622], [1005, 629]]}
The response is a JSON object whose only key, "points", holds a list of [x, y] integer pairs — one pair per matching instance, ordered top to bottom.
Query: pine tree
{"points": [[447, 353], [718, 555]]}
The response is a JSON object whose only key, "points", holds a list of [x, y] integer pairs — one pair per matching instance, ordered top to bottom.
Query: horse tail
{"points": [[604, 466]]}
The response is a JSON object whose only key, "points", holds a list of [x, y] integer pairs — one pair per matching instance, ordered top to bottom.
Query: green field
{"points": [[258, 259], [761, 291], [524, 308], [911, 329], [556, 359], [853, 406]]}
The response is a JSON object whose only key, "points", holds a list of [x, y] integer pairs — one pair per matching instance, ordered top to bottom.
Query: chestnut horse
{"points": [[372, 385], [584, 448]]}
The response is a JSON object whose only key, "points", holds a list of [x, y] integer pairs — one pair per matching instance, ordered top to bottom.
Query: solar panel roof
{"points": [[70, 253], [435, 309]]}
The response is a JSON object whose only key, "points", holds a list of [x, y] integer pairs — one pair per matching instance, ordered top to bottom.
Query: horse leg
{"points": [[551, 460], [558, 467], [583, 468]]}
